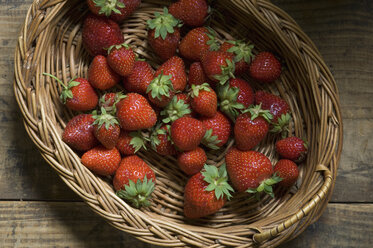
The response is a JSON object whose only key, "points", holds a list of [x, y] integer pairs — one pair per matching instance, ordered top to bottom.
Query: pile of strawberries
{"points": [[177, 112]]}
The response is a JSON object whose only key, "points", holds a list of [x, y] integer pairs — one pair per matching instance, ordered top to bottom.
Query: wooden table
{"points": [[38, 210]]}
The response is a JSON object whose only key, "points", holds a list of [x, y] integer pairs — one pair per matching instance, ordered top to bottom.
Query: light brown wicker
{"points": [[50, 41]]}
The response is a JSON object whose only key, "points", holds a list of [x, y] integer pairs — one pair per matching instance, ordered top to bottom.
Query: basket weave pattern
{"points": [[50, 41]]}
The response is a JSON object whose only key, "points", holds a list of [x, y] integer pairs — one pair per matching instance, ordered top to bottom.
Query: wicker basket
{"points": [[50, 41]]}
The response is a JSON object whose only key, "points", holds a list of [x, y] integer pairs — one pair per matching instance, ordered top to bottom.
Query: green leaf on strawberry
{"points": [[108, 6], [163, 24], [212, 42], [241, 51], [227, 72], [160, 86], [197, 88], [66, 92], [228, 101], [175, 110], [256, 111], [104, 118], [282, 125], [210, 140], [138, 141], [218, 181], [265, 186]]}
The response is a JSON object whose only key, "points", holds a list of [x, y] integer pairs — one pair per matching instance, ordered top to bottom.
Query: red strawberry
{"points": [[117, 10], [191, 12], [99, 33], [164, 34], [197, 42], [242, 54], [121, 59], [218, 66], [175, 68], [265, 68], [100, 75], [197, 76], [140, 78], [160, 90], [78, 95], [183, 96], [235, 96], [204, 100], [110, 101], [176, 109], [135, 113], [251, 127], [106, 128], [218, 130], [78, 133], [187, 133], [161, 141], [130, 142], [292, 148], [101, 160], [192, 162], [250, 171], [288, 171], [134, 181], [206, 192]]}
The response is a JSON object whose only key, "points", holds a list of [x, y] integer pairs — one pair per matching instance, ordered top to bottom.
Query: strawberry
{"points": [[117, 10], [191, 12], [99, 33], [164, 34], [197, 42], [242, 54], [121, 59], [218, 66], [175, 68], [265, 68], [100, 75], [197, 76], [139, 79], [160, 90], [78, 95], [183, 96], [235, 96], [204, 100], [110, 101], [176, 109], [135, 113], [251, 127], [106, 128], [218, 130], [78, 133], [187, 133], [161, 141], [130, 142], [292, 148], [101, 160], [192, 162], [250, 171], [288, 171], [134, 181], [206, 192]]}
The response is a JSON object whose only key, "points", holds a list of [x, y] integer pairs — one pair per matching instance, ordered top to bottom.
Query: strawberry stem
{"points": [[218, 181]]}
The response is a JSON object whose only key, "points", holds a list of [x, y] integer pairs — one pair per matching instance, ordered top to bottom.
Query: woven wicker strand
{"points": [[50, 41]]}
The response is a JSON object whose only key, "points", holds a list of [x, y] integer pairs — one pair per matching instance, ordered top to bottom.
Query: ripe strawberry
{"points": [[117, 10], [191, 12], [99, 33], [164, 34], [197, 42], [242, 54], [121, 59], [218, 66], [175, 68], [265, 68], [100, 75], [197, 76], [140, 78], [160, 90], [78, 95], [183, 96], [234, 97], [204, 100], [110, 101], [176, 109], [135, 113], [251, 127], [106, 128], [218, 130], [78, 133], [187, 133], [161, 140], [130, 142], [292, 148], [101, 160], [192, 162], [250, 171], [288, 171], [134, 181], [206, 192]]}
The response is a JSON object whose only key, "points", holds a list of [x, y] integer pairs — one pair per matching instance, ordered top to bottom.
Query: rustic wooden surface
{"points": [[38, 210]]}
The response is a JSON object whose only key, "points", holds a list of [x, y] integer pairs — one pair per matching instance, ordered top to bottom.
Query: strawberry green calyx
{"points": [[108, 6], [163, 24], [212, 42], [117, 47], [242, 51], [227, 72], [160, 86], [195, 89], [66, 92], [228, 101], [106, 103], [175, 110], [257, 111], [104, 118], [282, 125], [210, 140], [138, 141], [154, 141], [218, 181], [265, 186], [139, 193]]}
